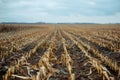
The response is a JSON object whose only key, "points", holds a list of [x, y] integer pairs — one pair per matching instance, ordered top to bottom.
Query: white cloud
{"points": [[92, 3], [44, 4], [60, 10], [90, 19]]}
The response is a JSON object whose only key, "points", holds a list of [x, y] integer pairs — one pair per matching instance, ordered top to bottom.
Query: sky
{"points": [[81, 11]]}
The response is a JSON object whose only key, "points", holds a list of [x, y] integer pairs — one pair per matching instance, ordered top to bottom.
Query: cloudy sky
{"points": [[97, 11]]}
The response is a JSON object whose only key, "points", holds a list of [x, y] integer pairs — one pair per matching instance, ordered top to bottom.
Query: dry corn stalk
{"points": [[65, 57], [21, 61], [46, 62], [113, 64], [101, 70]]}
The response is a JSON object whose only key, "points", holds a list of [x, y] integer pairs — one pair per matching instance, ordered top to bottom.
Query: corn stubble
{"points": [[31, 55]]}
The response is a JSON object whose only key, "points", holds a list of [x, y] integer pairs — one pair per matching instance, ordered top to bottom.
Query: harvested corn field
{"points": [[60, 52]]}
